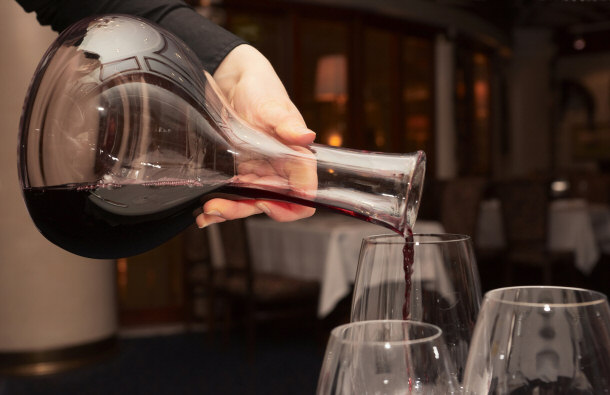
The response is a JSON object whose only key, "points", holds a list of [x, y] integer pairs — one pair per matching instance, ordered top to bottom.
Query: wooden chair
{"points": [[594, 187], [430, 200], [460, 202], [459, 206], [525, 208], [198, 278], [254, 296]]}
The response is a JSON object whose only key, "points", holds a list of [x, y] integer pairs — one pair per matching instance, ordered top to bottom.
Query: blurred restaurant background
{"points": [[510, 100]]}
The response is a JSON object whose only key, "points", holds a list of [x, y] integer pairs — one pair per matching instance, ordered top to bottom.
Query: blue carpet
{"points": [[188, 364]]}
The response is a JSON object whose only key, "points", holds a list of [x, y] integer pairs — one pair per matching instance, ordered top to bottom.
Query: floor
{"points": [[285, 362]]}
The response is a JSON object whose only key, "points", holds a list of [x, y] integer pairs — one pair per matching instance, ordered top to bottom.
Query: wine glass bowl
{"points": [[442, 288], [539, 340], [386, 357]]}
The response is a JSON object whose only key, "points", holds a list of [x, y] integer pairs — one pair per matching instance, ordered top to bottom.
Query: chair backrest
{"points": [[594, 187], [430, 200], [460, 203], [524, 210], [235, 246], [196, 247]]}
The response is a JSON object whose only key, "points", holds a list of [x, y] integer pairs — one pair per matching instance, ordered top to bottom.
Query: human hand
{"points": [[256, 93]]}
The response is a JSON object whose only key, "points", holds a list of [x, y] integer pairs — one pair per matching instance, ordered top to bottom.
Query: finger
{"points": [[282, 117], [293, 132], [252, 169], [302, 173], [229, 209], [220, 210], [284, 212], [203, 220]]}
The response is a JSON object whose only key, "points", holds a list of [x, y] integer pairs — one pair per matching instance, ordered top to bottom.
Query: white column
{"points": [[446, 164], [49, 299]]}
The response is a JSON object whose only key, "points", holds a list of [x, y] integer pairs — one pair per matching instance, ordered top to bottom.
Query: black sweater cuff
{"points": [[209, 41]]}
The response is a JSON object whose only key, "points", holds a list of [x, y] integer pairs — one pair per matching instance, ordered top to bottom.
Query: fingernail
{"points": [[304, 131], [263, 207], [215, 213], [210, 221]]}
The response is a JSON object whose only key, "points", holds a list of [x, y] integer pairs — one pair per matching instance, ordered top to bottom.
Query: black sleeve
{"points": [[209, 41]]}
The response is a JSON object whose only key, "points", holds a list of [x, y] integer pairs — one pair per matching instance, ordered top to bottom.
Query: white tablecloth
{"points": [[570, 229], [324, 248]]}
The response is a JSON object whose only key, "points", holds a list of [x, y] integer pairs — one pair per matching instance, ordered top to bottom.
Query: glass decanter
{"points": [[124, 136]]}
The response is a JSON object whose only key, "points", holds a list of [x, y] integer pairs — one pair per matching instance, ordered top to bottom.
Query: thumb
{"points": [[283, 118]]}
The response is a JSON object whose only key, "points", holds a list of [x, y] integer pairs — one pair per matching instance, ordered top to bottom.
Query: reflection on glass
{"points": [[540, 340], [386, 357]]}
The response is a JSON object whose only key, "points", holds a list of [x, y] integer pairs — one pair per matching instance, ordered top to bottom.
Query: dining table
{"points": [[570, 228], [323, 248]]}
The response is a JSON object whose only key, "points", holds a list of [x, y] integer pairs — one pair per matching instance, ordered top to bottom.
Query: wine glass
{"points": [[442, 287], [540, 340], [386, 357]]}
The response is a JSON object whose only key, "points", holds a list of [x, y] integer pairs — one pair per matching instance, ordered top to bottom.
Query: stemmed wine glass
{"points": [[442, 287], [540, 340], [386, 357]]}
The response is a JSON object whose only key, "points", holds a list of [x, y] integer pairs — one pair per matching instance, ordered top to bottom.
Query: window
{"points": [[323, 78], [366, 81], [473, 106]]}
